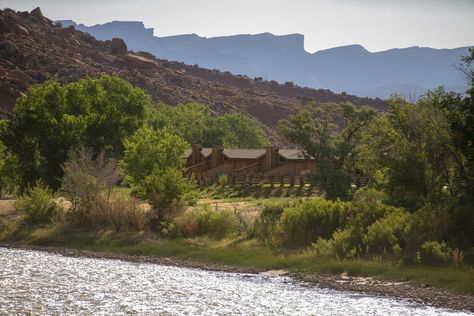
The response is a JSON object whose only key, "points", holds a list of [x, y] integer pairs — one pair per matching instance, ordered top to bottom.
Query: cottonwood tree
{"points": [[53, 118], [196, 124], [328, 133], [412, 145], [421, 156], [153, 166]]}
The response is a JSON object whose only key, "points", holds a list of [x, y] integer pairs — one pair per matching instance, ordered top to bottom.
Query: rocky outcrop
{"points": [[38, 15], [4, 26], [117, 46], [139, 62], [21, 78]]}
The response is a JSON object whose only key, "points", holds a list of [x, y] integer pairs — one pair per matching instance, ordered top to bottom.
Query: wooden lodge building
{"points": [[271, 164]]}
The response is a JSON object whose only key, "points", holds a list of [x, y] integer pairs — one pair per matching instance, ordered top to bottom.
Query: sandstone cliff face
{"points": [[33, 50], [409, 71]]}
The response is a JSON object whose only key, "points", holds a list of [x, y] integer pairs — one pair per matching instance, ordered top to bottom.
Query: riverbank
{"points": [[359, 276], [445, 285]]}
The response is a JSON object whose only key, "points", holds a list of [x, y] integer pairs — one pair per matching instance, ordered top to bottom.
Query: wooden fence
{"points": [[252, 180], [259, 180]]}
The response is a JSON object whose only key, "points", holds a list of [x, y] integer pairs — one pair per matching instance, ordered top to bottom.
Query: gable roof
{"points": [[206, 152], [244, 153], [292, 154]]}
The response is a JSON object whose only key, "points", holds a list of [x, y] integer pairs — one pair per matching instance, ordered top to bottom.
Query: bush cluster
{"points": [[38, 204], [119, 213], [217, 224], [302, 224], [364, 227]]}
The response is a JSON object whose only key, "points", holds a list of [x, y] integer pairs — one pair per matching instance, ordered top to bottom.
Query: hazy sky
{"points": [[375, 24]]}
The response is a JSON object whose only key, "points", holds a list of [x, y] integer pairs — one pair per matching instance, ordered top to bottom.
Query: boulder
{"points": [[20, 30], [118, 46], [139, 62], [21, 78]]}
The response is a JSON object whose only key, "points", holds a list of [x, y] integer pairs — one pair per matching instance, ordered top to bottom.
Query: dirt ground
{"points": [[7, 208]]}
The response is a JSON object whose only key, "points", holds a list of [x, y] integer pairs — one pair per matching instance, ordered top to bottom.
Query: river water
{"points": [[39, 283]]}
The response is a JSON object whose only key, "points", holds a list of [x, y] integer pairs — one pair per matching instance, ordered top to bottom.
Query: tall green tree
{"points": [[53, 118], [190, 121], [197, 125], [236, 130], [328, 133], [409, 151], [419, 155], [153, 164], [8, 171]]}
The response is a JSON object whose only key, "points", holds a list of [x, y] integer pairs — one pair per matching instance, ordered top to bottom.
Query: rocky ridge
{"points": [[33, 49]]}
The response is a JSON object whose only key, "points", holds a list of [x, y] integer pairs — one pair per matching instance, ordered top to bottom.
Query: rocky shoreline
{"points": [[402, 290]]}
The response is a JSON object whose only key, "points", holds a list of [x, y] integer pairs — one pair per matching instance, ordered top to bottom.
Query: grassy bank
{"points": [[239, 245], [245, 254]]}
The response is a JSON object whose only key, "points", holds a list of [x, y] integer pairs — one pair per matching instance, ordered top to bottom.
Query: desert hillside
{"points": [[33, 49]]}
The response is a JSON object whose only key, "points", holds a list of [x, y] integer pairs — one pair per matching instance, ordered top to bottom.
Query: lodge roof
{"points": [[206, 152], [244, 153], [290, 154]]}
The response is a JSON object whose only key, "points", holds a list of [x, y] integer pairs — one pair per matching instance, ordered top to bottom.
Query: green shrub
{"points": [[223, 180], [171, 185], [369, 197], [38, 204], [368, 207], [207, 222], [266, 223], [217, 224], [302, 224], [365, 224], [187, 225], [424, 225], [387, 234], [346, 243], [324, 248], [435, 252]]}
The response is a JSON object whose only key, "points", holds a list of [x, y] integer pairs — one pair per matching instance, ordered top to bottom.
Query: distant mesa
{"points": [[282, 58]]}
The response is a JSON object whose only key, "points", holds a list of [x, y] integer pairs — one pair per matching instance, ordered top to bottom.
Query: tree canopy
{"points": [[52, 118], [197, 125], [329, 134], [152, 164]]}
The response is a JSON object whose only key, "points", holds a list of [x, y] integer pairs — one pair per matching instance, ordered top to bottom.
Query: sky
{"points": [[375, 24]]}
